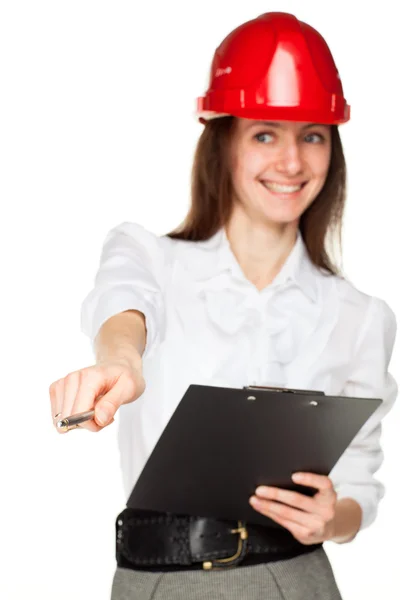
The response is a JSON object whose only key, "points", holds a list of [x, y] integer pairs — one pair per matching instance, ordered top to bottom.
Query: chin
{"points": [[284, 211], [283, 218]]}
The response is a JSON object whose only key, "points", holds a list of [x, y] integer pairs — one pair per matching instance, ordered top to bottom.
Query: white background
{"points": [[97, 127]]}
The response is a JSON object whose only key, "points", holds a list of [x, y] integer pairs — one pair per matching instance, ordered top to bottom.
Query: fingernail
{"points": [[102, 416], [297, 477], [262, 489]]}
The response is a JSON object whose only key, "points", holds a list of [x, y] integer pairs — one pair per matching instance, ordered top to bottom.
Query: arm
{"points": [[125, 308], [123, 316], [122, 339], [354, 474], [347, 500], [347, 521]]}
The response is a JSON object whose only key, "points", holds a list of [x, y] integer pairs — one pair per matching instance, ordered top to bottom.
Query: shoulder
{"points": [[135, 234], [129, 241], [137, 243], [351, 294], [372, 311]]}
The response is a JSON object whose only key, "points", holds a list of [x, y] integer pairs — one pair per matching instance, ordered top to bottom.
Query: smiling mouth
{"points": [[282, 189]]}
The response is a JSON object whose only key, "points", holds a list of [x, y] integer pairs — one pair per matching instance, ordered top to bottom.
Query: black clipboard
{"points": [[221, 443]]}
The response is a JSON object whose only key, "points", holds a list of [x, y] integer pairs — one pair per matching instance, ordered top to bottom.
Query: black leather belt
{"points": [[158, 541]]}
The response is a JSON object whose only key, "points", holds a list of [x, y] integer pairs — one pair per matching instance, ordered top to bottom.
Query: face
{"points": [[278, 168]]}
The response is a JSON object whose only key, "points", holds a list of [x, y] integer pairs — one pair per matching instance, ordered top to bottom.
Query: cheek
{"points": [[319, 163], [247, 167]]}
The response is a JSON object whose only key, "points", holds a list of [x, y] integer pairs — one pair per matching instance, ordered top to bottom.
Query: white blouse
{"points": [[207, 324]]}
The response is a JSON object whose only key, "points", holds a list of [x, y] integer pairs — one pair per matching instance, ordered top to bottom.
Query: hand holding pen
{"points": [[90, 397], [73, 421]]}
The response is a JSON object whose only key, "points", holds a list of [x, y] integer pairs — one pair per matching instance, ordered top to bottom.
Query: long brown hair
{"points": [[213, 195]]}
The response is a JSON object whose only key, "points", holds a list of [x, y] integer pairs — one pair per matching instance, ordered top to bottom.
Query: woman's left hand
{"points": [[310, 520]]}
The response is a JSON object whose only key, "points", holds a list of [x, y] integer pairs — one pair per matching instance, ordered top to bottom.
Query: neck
{"points": [[261, 248]]}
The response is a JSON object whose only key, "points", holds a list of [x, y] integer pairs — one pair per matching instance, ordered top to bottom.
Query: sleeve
{"points": [[129, 277], [353, 475]]}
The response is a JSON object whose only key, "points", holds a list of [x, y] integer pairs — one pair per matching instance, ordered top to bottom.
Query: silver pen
{"points": [[74, 421]]}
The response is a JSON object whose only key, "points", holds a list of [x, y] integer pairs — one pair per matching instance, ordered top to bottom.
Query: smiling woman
{"points": [[238, 164], [243, 293]]}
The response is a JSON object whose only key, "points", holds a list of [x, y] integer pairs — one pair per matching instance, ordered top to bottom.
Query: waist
{"points": [[166, 542]]}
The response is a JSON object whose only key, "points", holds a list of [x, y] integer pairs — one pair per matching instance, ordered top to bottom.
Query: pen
{"points": [[73, 421]]}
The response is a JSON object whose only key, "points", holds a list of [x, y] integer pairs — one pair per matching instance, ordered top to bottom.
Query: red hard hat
{"points": [[275, 68]]}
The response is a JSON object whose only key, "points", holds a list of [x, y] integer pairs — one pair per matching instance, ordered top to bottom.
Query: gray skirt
{"points": [[306, 577]]}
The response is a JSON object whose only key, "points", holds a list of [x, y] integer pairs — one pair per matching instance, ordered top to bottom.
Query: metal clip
{"points": [[280, 389]]}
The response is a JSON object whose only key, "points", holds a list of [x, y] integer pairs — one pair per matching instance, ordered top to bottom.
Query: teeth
{"points": [[283, 189]]}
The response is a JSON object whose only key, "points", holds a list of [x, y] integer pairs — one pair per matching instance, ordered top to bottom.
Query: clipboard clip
{"points": [[286, 390]]}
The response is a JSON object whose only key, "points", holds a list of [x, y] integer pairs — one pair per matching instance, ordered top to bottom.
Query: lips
{"points": [[302, 182], [283, 188]]}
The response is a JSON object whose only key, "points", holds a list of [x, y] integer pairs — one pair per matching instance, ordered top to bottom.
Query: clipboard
{"points": [[221, 443]]}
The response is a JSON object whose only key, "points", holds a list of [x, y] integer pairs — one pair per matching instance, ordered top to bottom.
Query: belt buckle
{"points": [[231, 561]]}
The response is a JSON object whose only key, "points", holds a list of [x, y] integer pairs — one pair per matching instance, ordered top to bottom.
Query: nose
{"points": [[289, 160]]}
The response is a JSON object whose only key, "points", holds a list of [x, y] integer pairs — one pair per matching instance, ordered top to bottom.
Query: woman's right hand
{"points": [[104, 387]]}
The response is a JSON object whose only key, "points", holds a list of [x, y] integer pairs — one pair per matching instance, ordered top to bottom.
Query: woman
{"points": [[244, 293]]}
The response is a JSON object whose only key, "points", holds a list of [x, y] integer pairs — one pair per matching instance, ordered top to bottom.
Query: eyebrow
{"points": [[279, 126]]}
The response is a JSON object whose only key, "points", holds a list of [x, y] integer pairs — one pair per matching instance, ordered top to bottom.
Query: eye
{"points": [[263, 137], [315, 138]]}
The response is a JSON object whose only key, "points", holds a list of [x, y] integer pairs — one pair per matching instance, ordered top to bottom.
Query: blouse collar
{"points": [[214, 256]]}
